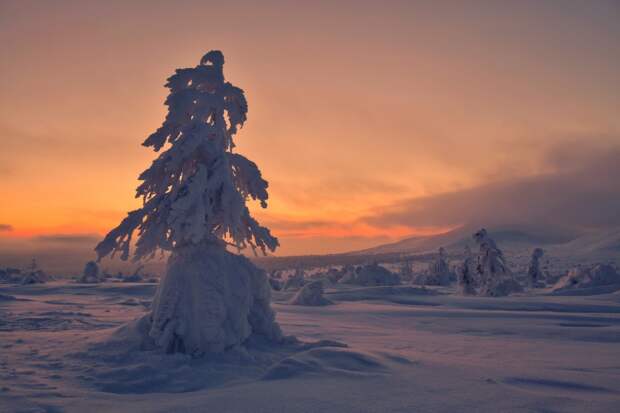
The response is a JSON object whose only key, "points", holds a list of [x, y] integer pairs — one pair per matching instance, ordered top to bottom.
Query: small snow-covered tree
{"points": [[196, 190], [194, 204], [493, 273], [534, 273], [466, 274]]}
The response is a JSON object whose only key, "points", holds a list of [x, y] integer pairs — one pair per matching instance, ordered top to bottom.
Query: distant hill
{"points": [[505, 236]]}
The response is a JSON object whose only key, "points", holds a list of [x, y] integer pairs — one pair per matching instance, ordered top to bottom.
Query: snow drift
{"points": [[310, 295]]}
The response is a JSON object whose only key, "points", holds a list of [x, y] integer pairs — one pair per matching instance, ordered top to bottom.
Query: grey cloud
{"points": [[582, 191]]}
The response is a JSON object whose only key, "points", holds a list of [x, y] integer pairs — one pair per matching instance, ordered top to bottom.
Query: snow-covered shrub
{"points": [[194, 205], [91, 273], [10, 275], [34, 275], [370, 275], [587, 277], [295, 281], [275, 283], [310, 294], [210, 300]]}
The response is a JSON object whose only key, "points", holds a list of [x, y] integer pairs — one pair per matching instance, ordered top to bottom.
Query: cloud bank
{"points": [[581, 190]]}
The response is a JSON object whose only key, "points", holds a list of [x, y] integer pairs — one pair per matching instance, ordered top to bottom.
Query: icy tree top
{"points": [[196, 190], [485, 242]]}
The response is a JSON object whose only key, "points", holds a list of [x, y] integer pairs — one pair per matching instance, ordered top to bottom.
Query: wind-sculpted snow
{"points": [[590, 278], [61, 351]]}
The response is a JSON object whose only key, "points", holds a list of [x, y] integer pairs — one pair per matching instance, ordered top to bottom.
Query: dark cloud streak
{"points": [[582, 191]]}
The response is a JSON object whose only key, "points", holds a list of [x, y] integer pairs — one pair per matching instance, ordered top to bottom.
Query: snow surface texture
{"points": [[311, 294], [210, 300], [408, 351]]}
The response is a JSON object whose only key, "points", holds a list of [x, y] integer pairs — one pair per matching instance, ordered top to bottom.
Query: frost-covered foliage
{"points": [[196, 190], [438, 271], [534, 272], [91, 273], [466, 274], [370, 275], [494, 275], [587, 277], [310, 295], [210, 300]]}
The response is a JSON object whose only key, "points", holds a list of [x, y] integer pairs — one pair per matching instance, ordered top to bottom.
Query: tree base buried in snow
{"points": [[210, 300]]}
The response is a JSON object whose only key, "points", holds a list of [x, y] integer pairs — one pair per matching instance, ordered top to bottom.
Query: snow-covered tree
{"points": [[196, 189], [194, 204], [438, 272], [91, 273], [493, 273], [534, 273], [466, 274]]}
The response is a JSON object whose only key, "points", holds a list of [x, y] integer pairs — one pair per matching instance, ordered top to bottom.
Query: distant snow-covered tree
{"points": [[194, 204], [534, 272], [493, 273], [466, 274]]}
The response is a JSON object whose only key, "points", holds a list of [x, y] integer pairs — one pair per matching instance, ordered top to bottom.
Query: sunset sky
{"points": [[372, 120]]}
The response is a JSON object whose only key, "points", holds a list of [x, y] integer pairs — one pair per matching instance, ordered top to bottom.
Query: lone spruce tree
{"points": [[194, 204]]}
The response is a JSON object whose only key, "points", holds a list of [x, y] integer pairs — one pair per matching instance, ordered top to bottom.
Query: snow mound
{"points": [[91, 274], [370, 275], [599, 275], [10, 276], [35, 277], [295, 281], [310, 295], [209, 301], [327, 360]]}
